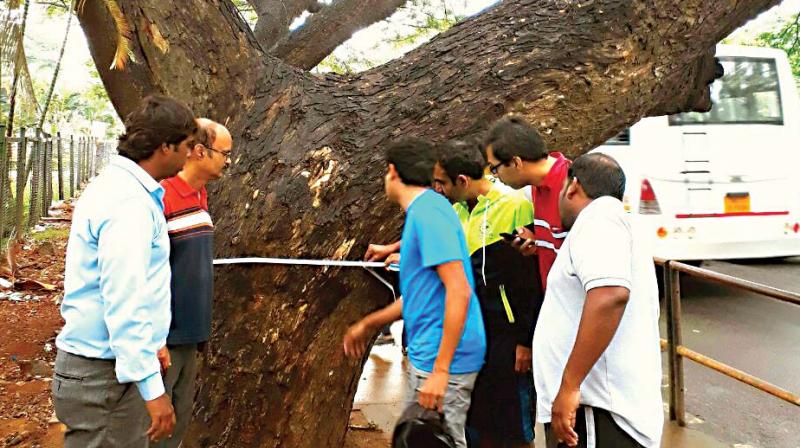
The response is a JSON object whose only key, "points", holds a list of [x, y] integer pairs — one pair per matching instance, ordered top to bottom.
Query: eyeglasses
{"points": [[226, 154], [494, 168]]}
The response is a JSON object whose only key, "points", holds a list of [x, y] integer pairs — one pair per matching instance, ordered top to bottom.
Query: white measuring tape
{"points": [[367, 265]]}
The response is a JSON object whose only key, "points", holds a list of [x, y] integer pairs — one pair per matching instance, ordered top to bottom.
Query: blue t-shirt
{"points": [[432, 236]]}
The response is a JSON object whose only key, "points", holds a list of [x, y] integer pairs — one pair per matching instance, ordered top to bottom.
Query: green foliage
{"points": [[55, 7], [247, 11], [426, 19], [410, 26], [786, 38], [14, 60], [350, 64], [51, 233]]}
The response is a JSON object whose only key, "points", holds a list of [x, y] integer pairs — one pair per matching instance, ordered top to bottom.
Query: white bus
{"points": [[722, 184]]}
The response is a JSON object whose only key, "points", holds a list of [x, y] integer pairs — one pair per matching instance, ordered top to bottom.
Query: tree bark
{"points": [[275, 16], [324, 31], [211, 51], [307, 174]]}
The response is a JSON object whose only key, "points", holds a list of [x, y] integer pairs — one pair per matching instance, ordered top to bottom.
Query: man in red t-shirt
{"points": [[518, 156], [191, 237]]}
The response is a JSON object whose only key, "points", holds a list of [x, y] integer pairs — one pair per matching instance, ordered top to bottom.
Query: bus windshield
{"points": [[748, 93]]}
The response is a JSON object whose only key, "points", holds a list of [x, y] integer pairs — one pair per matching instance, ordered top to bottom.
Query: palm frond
{"points": [[9, 34], [124, 35], [26, 96]]}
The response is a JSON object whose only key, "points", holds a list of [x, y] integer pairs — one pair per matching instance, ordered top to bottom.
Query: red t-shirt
{"points": [[546, 217], [191, 240]]}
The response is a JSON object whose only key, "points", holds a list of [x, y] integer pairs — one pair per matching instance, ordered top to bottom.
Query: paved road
{"points": [[756, 334]]}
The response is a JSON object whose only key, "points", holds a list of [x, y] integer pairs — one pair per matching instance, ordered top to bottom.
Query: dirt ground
{"points": [[29, 323]]}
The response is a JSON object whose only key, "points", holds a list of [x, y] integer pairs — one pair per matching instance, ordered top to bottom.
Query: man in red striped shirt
{"points": [[518, 156], [191, 237]]}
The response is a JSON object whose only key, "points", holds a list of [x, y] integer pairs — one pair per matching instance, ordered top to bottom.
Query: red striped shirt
{"points": [[546, 217], [191, 237]]}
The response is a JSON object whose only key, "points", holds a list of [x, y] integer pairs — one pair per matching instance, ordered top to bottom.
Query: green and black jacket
{"points": [[506, 282]]}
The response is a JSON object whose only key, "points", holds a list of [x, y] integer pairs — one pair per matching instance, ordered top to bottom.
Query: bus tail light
{"points": [[648, 203]]}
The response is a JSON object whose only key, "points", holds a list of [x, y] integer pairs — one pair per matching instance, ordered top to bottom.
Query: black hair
{"points": [[157, 120], [511, 136], [461, 157], [413, 158], [599, 175]]}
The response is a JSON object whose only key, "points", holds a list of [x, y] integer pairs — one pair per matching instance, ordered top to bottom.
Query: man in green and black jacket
{"points": [[503, 402]]}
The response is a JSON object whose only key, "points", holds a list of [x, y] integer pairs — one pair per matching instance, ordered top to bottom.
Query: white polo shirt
{"points": [[600, 251]]}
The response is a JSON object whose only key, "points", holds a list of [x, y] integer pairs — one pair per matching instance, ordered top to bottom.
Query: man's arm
{"points": [[124, 250], [378, 252], [527, 295], [456, 305], [602, 313], [358, 335]]}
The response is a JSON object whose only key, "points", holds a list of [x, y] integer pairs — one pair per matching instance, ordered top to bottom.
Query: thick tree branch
{"points": [[275, 16], [333, 25], [224, 50], [624, 59]]}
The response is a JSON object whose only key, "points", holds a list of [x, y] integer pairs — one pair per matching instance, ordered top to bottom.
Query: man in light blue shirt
{"points": [[116, 290]]}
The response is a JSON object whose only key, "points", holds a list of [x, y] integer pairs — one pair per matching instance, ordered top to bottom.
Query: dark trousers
{"points": [[179, 384], [98, 411], [594, 424]]}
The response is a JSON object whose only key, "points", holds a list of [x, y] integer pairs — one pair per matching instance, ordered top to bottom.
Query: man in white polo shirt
{"points": [[596, 357]]}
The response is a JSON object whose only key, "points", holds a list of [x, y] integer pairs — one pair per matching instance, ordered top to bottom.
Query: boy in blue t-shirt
{"points": [[446, 340]]}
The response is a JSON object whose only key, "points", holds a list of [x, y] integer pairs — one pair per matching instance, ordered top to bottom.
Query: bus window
{"points": [[748, 93], [623, 138]]}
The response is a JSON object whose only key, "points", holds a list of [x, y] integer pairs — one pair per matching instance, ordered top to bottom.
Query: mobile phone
{"points": [[509, 236]]}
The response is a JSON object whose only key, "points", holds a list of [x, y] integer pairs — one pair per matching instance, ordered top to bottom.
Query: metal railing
{"points": [[674, 342]]}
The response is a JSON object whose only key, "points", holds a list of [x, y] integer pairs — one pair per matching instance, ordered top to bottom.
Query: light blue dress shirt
{"points": [[116, 286]]}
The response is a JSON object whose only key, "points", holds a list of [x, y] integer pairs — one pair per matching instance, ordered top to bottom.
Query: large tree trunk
{"points": [[307, 176]]}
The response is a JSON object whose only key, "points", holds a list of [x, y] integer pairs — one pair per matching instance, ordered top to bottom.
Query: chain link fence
{"points": [[37, 169]]}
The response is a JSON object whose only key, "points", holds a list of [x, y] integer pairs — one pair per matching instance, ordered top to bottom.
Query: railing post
{"points": [[93, 155], [79, 158], [60, 162], [71, 166], [79, 167], [85, 168], [48, 176], [42, 177], [5, 178], [22, 180], [33, 205], [666, 274], [672, 286]]}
